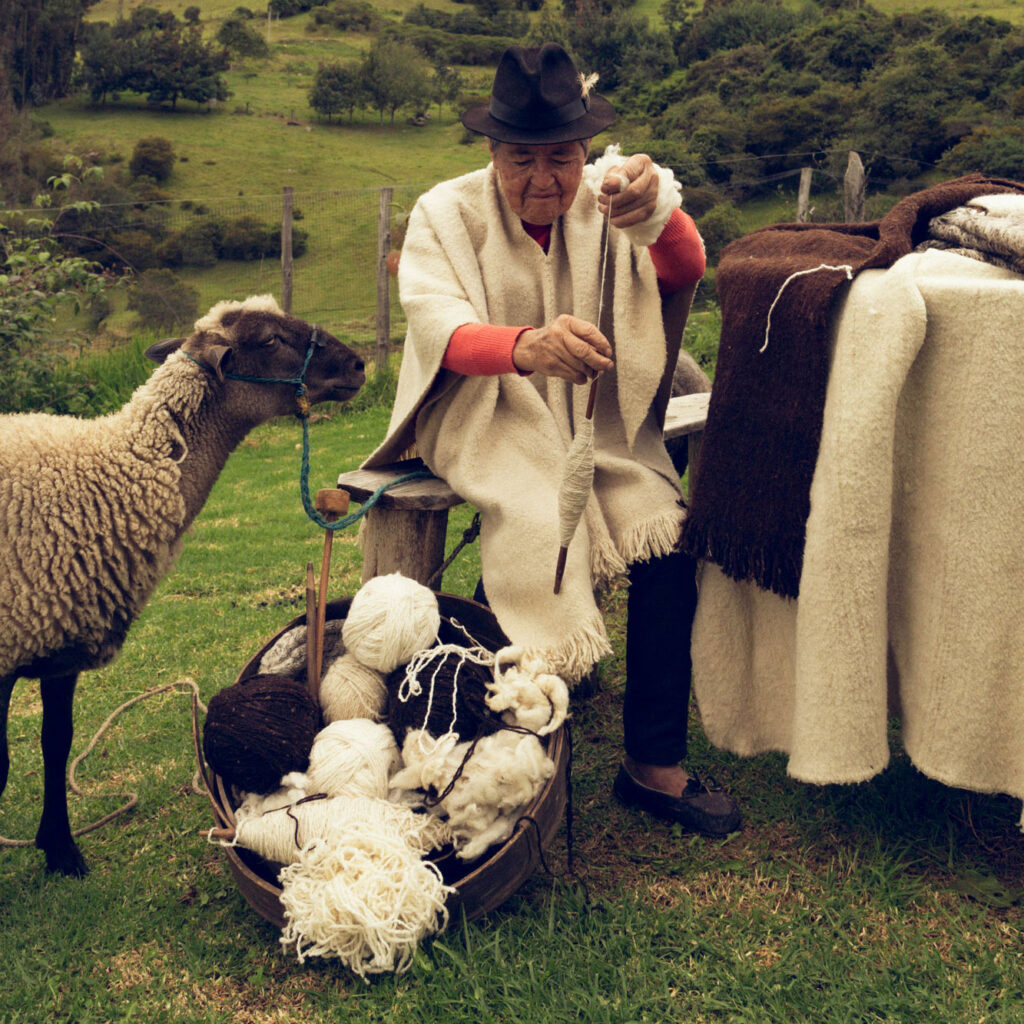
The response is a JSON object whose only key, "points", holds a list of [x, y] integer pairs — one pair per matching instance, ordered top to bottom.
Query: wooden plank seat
{"points": [[406, 530]]}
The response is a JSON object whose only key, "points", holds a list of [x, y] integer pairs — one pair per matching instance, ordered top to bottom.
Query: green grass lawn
{"points": [[896, 900]]}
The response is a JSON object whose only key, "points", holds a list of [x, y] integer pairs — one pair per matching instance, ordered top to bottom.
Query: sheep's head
{"points": [[255, 338]]}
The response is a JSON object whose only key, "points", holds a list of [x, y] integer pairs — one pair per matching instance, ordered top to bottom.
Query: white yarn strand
{"points": [[799, 273]]}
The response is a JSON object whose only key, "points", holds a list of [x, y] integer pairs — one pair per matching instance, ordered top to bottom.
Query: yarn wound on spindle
{"points": [[389, 619], [446, 693], [258, 730]]}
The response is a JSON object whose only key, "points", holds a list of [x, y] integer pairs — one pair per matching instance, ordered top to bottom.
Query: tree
{"points": [[238, 36], [37, 47], [153, 53], [395, 75], [447, 85], [336, 87], [154, 157], [36, 280]]}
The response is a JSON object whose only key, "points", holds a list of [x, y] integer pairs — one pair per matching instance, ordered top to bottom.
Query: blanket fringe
{"points": [[652, 538], [606, 564], [764, 565], [575, 656]]}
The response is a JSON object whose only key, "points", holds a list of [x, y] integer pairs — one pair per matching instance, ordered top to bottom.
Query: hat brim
{"points": [[600, 115]]}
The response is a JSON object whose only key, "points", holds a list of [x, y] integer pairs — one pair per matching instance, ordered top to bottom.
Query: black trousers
{"points": [[659, 616]]}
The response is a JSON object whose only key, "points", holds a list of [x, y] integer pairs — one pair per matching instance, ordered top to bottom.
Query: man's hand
{"points": [[632, 189], [570, 348]]}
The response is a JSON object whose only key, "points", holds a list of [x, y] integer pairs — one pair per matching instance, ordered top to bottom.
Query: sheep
{"points": [[92, 512]]}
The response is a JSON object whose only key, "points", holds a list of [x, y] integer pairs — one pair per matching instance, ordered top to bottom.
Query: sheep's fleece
{"points": [[67, 558]]}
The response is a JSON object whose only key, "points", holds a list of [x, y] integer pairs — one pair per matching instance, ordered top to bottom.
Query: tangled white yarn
{"points": [[390, 619], [350, 689], [528, 695], [350, 757], [498, 782], [368, 900]]}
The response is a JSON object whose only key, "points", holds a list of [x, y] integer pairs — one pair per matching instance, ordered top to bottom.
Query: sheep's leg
{"points": [[6, 689], [54, 835]]}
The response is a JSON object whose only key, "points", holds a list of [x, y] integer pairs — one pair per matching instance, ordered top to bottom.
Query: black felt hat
{"points": [[538, 97]]}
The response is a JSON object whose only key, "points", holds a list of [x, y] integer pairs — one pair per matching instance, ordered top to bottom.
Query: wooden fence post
{"points": [[854, 188], [803, 198], [286, 248], [383, 292]]}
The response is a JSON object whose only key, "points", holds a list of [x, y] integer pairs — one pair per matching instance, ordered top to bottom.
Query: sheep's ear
{"points": [[160, 350], [214, 356]]}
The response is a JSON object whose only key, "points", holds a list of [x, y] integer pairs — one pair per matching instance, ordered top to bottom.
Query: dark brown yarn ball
{"points": [[473, 717], [259, 730]]}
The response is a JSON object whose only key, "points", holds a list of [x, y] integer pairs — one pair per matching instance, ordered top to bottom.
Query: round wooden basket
{"points": [[479, 886]]}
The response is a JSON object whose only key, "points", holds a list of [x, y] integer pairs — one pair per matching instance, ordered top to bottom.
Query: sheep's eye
{"points": [[272, 340]]}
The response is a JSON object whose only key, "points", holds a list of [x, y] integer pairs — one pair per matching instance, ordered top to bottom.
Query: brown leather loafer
{"points": [[702, 807]]}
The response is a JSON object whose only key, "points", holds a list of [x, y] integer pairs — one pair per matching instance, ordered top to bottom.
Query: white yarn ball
{"points": [[390, 619], [350, 689], [351, 757]]}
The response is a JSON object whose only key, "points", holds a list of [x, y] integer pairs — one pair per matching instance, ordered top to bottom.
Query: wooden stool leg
{"points": [[411, 543]]}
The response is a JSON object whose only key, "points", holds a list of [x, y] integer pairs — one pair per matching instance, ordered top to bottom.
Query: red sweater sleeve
{"points": [[678, 254], [481, 350]]}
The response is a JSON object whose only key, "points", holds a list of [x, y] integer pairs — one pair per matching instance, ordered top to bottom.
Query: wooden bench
{"points": [[406, 530]]}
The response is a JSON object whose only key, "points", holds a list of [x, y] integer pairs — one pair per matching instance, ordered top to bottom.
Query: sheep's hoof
{"points": [[67, 861]]}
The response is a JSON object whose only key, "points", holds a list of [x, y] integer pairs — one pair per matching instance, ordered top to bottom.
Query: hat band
{"points": [[537, 119]]}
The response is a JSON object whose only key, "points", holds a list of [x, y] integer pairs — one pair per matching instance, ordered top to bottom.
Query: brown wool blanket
{"points": [[751, 497]]}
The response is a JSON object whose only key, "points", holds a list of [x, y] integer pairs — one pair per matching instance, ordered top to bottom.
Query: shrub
{"points": [[241, 38], [154, 157], [718, 227], [162, 301]]}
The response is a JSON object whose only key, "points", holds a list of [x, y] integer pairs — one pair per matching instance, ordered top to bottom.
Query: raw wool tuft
{"points": [[670, 195], [255, 303], [390, 619], [287, 655], [350, 689], [443, 690], [529, 696], [258, 730], [351, 757], [499, 780], [280, 825], [367, 901]]}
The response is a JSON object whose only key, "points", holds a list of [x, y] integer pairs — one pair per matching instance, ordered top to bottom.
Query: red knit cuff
{"points": [[678, 254], [482, 350]]}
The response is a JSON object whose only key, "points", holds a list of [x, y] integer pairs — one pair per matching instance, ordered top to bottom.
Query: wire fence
{"points": [[229, 247]]}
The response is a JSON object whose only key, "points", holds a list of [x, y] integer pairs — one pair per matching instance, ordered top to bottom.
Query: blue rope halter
{"points": [[299, 384]]}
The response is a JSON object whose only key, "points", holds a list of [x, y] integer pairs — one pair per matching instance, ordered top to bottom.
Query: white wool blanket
{"points": [[501, 441], [910, 597]]}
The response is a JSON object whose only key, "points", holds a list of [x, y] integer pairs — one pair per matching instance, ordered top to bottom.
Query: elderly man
{"points": [[514, 292]]}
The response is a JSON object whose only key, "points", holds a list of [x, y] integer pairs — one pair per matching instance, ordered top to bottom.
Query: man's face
{"points": [[539, 182]]}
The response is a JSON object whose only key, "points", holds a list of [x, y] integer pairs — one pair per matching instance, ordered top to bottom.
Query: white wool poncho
{"points": [[500, 442]]}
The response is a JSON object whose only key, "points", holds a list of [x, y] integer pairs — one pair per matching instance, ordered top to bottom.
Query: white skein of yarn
{"points": [[390, 619], [350, 689], [350, 757], [368, 900]]}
